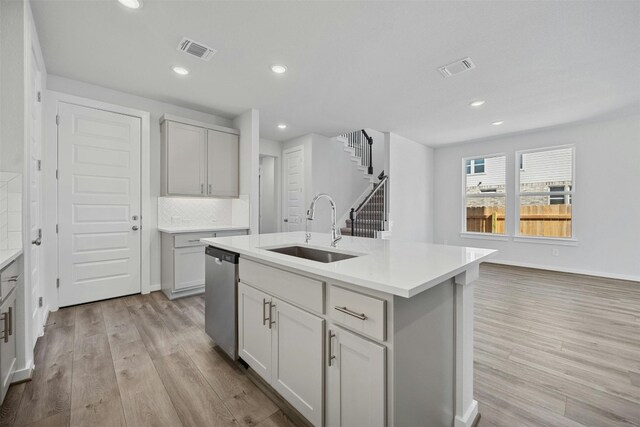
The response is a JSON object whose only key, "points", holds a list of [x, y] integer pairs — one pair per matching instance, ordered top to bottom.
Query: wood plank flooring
{"points": [[551, 349], [555, 349]]}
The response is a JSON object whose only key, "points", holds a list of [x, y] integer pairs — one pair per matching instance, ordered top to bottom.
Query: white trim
{"points": [[172, 118], [51, 185], [484, 236], [563, 241], [567, 270], [155, 287], [25, 373]]}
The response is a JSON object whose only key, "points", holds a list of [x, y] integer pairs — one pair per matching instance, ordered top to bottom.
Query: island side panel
{"points": [[424, 357], [466, 406]]}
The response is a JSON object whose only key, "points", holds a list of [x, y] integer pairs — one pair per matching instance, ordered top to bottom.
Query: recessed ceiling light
{"points": [[131, 4], [278, 69], [180, 70], [477, 103], [498, 122], [282, 126]]}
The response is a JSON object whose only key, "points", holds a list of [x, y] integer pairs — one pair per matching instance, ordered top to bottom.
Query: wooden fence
{"points": [[535, 220]]}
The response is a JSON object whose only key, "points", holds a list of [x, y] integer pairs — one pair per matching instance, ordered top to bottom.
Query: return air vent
{"points": [[196, 49], [457, 67]]}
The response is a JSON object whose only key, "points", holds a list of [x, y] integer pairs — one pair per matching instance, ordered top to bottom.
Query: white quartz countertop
{"points": [[200, 228], [7, 256], [393, 266]]}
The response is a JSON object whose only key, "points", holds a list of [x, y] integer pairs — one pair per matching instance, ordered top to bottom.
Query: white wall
{"points": [[156, 109], [249, 125], [411, 186], [268, 201], [606, 203]]}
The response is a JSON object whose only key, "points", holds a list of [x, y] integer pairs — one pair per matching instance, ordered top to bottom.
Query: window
{"points": [[475, 166], [545, 193], [484, 195]]}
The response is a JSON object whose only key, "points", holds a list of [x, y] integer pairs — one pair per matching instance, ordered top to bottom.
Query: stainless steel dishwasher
{"points": [[221, 299]]}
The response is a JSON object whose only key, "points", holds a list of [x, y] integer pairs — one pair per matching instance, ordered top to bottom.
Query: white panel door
{"points": [[186, 159], [222, 164], [34, 194], [294, 200], [98, 204], [254, 330], [297, 359], [355, 381]]}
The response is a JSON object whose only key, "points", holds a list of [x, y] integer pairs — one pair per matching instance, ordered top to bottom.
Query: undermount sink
{"points": [[312, 254]]}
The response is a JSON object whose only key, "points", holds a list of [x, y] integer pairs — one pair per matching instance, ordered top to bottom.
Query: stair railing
{"points": [[362, 145], [366, 222]]}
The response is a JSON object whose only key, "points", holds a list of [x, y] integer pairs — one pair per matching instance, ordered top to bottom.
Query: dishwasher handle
{"points": [[220, 256]]}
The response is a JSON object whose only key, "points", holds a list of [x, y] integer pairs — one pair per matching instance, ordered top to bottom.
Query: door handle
{"points": [[201, 188], [209, 188], [286, 220], [135, 228], [38, 240], [271, 307], [10, 313]]}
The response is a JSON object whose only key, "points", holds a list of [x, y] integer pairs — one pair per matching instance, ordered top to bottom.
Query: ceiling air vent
{"points": [[196, 49], [457, 67]]}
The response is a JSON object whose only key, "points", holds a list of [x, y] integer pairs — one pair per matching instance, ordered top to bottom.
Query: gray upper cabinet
{"points": [[198, 159], [222, 164]]}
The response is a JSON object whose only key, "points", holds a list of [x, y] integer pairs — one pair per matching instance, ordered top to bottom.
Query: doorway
{"points": [[293, 183], [268, 195]]}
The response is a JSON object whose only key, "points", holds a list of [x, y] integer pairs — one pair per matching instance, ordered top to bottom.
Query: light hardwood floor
{"points": [[551, 350]]}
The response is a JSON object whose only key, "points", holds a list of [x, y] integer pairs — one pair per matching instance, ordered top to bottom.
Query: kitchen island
{"points": [[382, 336]]}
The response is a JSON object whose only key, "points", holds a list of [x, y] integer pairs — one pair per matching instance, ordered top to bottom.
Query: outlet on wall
{"points": [[555, 251]]}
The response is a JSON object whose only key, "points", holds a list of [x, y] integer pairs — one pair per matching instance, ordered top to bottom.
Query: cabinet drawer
{"points": [[191, 239], [9, 277], [304, 291], [359, 312]]}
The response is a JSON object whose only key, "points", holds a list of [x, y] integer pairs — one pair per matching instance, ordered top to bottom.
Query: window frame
{"points": [[472, 165], [518, 194], [476, 234]]}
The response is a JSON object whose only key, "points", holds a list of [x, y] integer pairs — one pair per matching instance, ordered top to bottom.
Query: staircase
{"points": [[359, 145], [369, 217]]}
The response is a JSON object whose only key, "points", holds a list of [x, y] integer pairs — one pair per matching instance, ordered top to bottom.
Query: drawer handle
{"points": [[193, 240], [13, 279], [345, 310]]}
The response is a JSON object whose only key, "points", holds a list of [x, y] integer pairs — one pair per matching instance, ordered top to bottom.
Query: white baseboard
{"points": [[567, 270], [154, 288], [23, 374], [469, 417]]}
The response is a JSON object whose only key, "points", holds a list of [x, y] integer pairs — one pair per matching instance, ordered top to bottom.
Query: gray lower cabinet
{"points": [[183, 271], [11, 278], [355, 380]]}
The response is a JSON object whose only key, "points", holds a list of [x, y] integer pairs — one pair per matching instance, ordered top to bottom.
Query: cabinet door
{"points": [[222, 160], [186, 161], [189, 267], [254, 332], [8, 347], [297, 359], [355, 380]]}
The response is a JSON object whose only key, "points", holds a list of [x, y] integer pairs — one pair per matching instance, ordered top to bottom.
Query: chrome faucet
{"points": [[335, 231]]}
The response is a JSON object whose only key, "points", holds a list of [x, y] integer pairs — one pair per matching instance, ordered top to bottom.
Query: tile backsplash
{"points": [[10, 210], [186, 211]]}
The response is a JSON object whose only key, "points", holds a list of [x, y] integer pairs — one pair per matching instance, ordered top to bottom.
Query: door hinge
{"points": [[39, 97], [57, 119], [39, 165], [56, 173], [56, 228], [58, 282], [40, 302]]}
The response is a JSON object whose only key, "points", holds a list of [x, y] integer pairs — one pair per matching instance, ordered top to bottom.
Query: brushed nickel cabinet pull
{"points": [[201, 188], [209, 188], [271, 307], [345, 310], [264, 312], [10, 313], [5, 334], [331, 356]]}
